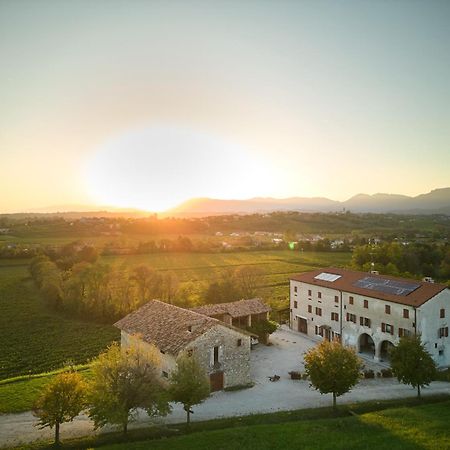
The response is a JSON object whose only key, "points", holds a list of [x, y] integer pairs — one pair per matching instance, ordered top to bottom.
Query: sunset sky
{"points": [[149, 103]]}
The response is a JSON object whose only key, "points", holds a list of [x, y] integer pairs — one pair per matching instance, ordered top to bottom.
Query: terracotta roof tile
{"points": [[418, 297], [234, 309], [167, 326]]}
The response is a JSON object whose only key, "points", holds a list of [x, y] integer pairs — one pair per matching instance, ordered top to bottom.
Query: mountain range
{"points": [[435, 202]]}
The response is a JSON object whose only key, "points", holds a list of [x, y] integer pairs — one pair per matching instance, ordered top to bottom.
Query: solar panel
{"points": [[324, 276], [387, 286]]}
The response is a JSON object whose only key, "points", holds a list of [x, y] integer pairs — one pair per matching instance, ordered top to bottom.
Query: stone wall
{"points": [[234, 359]]}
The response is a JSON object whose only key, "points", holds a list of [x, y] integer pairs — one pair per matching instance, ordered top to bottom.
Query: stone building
{"points": [[371, 312], [242, 313], [221, 349]]}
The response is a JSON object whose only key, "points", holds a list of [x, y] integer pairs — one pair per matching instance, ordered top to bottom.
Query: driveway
{"points": [[283, 355]]}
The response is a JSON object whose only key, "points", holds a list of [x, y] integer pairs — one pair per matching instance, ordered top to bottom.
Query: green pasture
{"points": [[276, 266]]}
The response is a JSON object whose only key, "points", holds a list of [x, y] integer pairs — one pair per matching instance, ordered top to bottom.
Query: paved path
{"points": [[285, 354]]}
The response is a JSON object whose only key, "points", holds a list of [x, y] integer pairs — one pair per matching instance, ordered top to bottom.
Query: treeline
{"points": [[413, 259], [105, 293]]}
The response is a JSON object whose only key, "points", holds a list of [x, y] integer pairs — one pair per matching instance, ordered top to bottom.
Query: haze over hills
{"points": [[435, 202]]}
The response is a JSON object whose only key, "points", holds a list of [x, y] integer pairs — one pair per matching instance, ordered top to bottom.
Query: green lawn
{"points": [[420, 427]]}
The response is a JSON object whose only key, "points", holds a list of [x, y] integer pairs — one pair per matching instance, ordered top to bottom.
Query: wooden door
{"points": [[302, 325], [216, 381]]}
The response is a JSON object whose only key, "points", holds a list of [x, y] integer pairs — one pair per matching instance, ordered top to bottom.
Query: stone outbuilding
{"points": [[242, 313], [222, 349]]}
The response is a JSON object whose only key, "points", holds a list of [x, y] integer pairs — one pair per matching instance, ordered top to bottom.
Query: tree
{"points": [[247, 278], [148, 282], [169, 286], [263, 328], [412, 364], [332, 368], [122, 382], [189, 384], [61, 401]]}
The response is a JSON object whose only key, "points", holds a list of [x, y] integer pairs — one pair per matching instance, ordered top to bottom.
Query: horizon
{"points": [[148, 107], [74, 208]]}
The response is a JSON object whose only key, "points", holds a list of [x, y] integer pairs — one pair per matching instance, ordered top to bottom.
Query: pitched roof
{"points": [[348, 278], [235, 309], [167, 326]]}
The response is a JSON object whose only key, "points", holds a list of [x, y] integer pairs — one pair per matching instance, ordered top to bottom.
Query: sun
{"points": [[159, 167]]}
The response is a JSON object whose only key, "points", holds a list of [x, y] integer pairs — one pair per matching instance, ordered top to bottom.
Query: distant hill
{"points": [[434, 202]]}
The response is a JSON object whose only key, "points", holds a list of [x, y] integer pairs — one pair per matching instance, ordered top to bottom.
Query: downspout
{"points": [[340, 317], [415, 321]]}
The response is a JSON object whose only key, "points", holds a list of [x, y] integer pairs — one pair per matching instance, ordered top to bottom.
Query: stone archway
{"points": [[366, 345], [385, 347]]}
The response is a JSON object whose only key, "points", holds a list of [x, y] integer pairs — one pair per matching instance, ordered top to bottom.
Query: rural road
{"points": [[285, 354]]}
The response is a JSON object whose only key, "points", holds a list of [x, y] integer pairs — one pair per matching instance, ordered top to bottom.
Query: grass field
{"points": [[277, 266], [35, 339], [421, 427]]}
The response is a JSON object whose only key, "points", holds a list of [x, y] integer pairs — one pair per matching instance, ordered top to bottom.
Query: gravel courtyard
{"points": [[285, 354]]}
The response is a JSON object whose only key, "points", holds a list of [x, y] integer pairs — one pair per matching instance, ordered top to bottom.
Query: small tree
{"points": [[263, 328], [412, 364], [332, 368], [124, 381], [189, 384], [61, 401]]}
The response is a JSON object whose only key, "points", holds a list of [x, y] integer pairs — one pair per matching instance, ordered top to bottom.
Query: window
{"points": [[295, 289], [309, 292], [319, 294], [336, 299], [350, 300], [295, 304], [366, 304], [310, 308], [387, 309], [318, 311], [406, 313], [442, 313], [335, 316], [351, 318], [364, 321], [386, 328], [190, 329], [403, 332], [443, 332], [239, 342], [163, 352], [190, 352], [441, 352], [216, 355], [165, 374]]}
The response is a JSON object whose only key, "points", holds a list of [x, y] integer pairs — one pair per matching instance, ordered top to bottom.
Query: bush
{"points": [[386, 373], [369, 374]]}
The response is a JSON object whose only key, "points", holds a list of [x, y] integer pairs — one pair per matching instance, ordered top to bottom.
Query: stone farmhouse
{"points": [[371, 312], [221, 349]]}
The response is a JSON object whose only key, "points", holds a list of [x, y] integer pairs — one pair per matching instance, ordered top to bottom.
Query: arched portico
{"points": [[366, 345], [384, 349]]}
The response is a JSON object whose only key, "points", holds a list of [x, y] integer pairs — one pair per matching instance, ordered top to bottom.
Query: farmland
{"points": [[35, 339]]}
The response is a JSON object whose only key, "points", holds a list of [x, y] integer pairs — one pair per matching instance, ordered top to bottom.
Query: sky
{"points": [[149, 103]]}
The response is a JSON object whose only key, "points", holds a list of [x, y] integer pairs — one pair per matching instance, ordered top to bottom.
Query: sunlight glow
{"points": [[159, 167]]}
